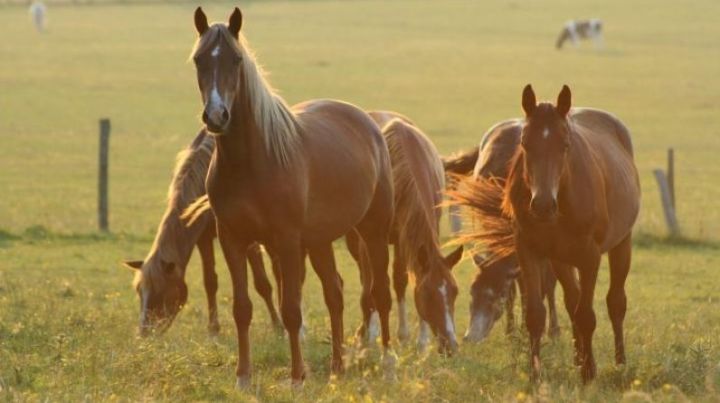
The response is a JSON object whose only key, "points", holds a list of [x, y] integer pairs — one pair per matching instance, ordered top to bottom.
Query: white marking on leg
{"points": [[373, 327], [403, 330], [424, 337]]}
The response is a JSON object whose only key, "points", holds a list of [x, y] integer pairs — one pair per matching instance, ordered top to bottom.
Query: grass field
{"points": [[68, 314]]}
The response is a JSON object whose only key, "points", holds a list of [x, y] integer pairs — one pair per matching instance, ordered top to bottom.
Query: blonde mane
{"points": [[271, 114], [417, 190], [174, 241]]}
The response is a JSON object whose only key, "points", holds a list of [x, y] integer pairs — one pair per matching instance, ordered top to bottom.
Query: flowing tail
{"points": [[483, 199], [196, 210]]}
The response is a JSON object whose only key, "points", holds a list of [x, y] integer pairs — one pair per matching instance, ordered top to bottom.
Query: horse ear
{"points": [[235, 22], [201, 24], [528, 100], [564, 101], [452, 259], [478, 260], [133, 264]]}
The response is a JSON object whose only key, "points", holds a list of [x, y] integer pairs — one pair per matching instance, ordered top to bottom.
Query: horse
{"points": [[38, 14], [580, 29], [294, 179], [419, 180], [572, 194], [160, 278], [493, 288]]}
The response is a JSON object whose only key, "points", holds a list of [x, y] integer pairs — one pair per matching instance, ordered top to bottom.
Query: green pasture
{"points": [[68, 313]]}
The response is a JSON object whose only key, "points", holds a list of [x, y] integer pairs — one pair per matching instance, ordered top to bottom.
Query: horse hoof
{"points": [[214, 329], [403, 335], [389, 364], [337, 367], [536, 370], [588, 372], [243, 382], [297, 385]]}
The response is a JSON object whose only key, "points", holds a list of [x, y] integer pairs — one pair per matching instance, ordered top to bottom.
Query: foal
{"points": [[160, 278]]}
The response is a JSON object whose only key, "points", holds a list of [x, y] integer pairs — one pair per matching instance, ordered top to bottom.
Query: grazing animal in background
{"points": [[38, 14], [574, 30], [294, 179], [419, 180], [572, 194], [160, 278], [494, 286]]}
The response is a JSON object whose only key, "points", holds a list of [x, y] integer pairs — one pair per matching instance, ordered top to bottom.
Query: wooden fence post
{"points": [[103, 175], [671, 175], [667, 204]]}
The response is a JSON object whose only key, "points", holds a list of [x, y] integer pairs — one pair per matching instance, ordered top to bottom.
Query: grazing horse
{"points": [[580, 29], [293, 179], [419, 180], [572, 194], [160, 278], [494, 285]]}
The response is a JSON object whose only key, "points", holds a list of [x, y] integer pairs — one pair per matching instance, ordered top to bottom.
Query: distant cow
{"points": [[38, 12], [580, 29]]}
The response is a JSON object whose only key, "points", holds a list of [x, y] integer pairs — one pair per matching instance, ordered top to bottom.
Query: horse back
{"points": [[497, 148], [610, 148], [346, 161]]}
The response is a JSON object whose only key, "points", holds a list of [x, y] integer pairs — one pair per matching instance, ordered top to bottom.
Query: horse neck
{"points": [[244, 146], [174, 240]]}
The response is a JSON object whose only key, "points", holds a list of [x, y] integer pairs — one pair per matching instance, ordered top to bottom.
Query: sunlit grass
{"points": [[68, 313]]}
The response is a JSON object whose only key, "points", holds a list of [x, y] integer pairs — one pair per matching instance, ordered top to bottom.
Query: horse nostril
{"points": [[225, 115], [205, 117]]}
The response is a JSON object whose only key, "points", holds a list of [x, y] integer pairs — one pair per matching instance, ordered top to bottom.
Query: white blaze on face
{"points": [[216, 51], [546, 133], [449, 325], [479, 327]]}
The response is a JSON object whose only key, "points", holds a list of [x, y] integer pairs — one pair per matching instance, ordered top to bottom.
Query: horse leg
{"points": [[205, 247], [234, 251], [358, 253], [290, 255], [323, 261], [531, 274], [565, 275], [261, 282], [400, 282], [549, 283], [616, 299], [510, 308], [585, 315]]}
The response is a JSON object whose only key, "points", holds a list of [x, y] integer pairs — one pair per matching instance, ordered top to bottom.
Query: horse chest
{"points": [[556, 241]]}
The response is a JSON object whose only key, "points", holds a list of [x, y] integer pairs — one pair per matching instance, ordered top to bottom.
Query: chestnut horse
{"points": [[293, 179], [419, 180], [572, 194], [160, 278], [493, 289]]}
